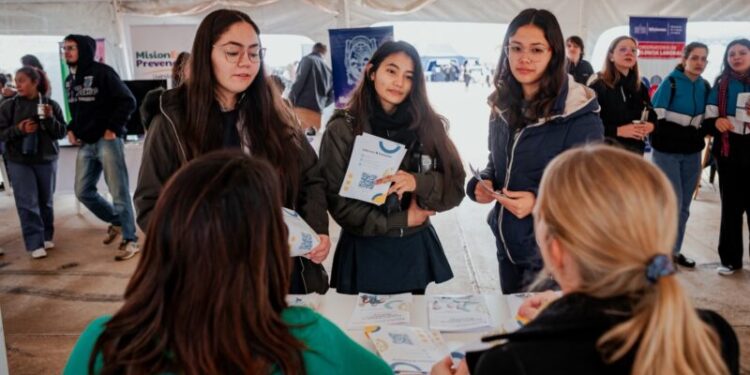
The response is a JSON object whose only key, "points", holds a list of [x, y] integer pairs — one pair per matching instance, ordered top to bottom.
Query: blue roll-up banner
{"points": [[660, 44], [351, 50]]}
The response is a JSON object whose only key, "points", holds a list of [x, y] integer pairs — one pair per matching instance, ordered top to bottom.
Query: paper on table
{"points": [[741, 113], [372, 158], [302, 238], [311, 300], [377, 309], [460, 312], [408, 349]]}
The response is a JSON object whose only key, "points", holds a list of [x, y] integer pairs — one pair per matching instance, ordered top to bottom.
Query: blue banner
{"points": [[658, 29], [351, 50]]}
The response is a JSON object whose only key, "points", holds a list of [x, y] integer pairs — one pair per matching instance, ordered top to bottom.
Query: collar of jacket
{"points": [[574, 100]]}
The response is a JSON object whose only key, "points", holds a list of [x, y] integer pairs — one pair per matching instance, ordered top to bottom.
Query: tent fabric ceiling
{"points": [[108, 18]]}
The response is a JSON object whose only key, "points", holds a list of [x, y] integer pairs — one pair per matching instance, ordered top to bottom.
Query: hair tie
{"points": [[658, 267]]}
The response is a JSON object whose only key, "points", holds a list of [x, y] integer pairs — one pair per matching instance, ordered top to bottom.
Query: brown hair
{"points": [[178, 69], [609, 74], [508, 94], [266, 122], [431, 127], [611, 232], [209, 289]]}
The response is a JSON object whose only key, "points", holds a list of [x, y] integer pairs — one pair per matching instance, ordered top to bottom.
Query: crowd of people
{"points": [[576, 206]]}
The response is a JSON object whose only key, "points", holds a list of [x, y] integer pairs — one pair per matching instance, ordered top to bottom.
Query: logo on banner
{"points": [[358, 52]]}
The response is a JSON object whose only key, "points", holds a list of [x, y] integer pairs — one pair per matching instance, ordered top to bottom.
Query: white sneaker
{"points": [[49, 245], [127, 250], [38, 253], [725, 270]]}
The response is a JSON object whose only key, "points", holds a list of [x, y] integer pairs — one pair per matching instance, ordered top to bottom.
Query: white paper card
{"points": [[741, 113], [372, 158], [302, 238], [311, 300], [381, 309], [460, 312], [408, 349]]}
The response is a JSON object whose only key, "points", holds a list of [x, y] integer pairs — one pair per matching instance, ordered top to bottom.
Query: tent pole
{"points": [[121, 35]]}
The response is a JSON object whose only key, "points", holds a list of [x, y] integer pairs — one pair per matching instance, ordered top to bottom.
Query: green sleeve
{"points": [[331, 351], [78, 362]]}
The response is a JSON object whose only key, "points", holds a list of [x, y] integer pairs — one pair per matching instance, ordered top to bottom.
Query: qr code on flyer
{"points": [[367, 181]]}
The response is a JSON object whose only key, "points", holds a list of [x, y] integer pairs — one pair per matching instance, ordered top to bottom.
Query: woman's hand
{"points": [[47, 111], [723, 124], [28, 126], [647, 128], [634, 131], [109, 135], [402, 182], [481, 195], [519, 203], [416, 215], [319, 253], [532, 306], [445, 367]]}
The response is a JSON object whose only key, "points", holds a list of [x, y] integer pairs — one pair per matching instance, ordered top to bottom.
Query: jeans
{"points": [[107, 155], [683, 171], [33, 190]]}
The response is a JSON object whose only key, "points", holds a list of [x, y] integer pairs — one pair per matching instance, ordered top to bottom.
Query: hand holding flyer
{"points": [[372, 158], [478, 177], [302, 238]]}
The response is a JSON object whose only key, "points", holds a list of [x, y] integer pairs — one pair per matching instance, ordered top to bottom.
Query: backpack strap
{"points": [[672, 90]]}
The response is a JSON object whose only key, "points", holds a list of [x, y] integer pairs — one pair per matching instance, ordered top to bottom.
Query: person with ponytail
{"points": [[229, 102], [30, 125], [731, 148], [392, 248], [205, 301], [622, 309]]}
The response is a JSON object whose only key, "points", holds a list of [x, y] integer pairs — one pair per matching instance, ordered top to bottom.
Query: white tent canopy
{"points": [[110, 18]]}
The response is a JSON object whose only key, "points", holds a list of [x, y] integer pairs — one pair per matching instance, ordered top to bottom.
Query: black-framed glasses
{"points": [[233, 53]]}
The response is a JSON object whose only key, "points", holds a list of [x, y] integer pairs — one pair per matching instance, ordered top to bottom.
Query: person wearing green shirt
{"points": [[208, 295]]}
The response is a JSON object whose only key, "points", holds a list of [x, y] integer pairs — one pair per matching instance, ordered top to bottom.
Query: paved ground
{"points": [[45, 304]]}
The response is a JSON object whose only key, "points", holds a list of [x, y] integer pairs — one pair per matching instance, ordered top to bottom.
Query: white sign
{"points": [[153, 49]]}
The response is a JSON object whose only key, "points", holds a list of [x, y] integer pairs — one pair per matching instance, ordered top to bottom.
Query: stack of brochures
{"points": [[372, 158], [381, 309], [458, 313]]}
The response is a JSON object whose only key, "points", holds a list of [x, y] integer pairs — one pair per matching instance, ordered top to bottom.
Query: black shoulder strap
{"points": [[672, 90], [708, 91]]}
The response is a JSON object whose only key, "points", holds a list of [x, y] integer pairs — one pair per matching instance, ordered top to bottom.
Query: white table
{"points": [[339, 307]]}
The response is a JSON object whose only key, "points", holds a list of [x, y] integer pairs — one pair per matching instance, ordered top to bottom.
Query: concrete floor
{"points": [[46, 303]]}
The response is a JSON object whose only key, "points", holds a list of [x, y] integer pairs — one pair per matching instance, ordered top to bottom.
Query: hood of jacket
{"points": [[86, 49]]}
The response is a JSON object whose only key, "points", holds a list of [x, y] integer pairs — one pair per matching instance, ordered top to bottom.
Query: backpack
{"points": [[673, 89]]}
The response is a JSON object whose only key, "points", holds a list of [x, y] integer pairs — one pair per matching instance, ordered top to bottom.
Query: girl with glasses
{"points": [[623, 97], [229, 103], [537, 113]]}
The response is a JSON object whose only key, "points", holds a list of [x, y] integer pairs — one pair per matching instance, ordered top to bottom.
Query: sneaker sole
{"points": [[126, 257]]}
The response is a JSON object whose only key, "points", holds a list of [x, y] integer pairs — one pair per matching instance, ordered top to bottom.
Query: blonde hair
{"points": [[609, 74], [613, 212]]}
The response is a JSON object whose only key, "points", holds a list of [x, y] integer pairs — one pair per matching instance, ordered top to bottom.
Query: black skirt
{"points": [[389, 265]]}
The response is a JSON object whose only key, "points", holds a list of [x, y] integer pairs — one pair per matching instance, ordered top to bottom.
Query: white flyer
{"points": [[741, 112], [372, 158], [302, 238], [381, 309], [459, 312], [407, 349]]}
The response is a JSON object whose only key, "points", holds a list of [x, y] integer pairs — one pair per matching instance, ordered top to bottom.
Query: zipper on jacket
{"points": [[508, 168]]}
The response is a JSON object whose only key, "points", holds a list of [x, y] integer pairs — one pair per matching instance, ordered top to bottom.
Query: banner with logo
{"points": [[660, 44], [153, 49], [351, 50]]}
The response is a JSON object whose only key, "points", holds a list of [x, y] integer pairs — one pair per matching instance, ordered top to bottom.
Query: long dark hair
{"points": [[726, 68], [178, 69], [610, 75], [37, 77], [508, 94], [266, 122], [431, 128], [209, 289]]}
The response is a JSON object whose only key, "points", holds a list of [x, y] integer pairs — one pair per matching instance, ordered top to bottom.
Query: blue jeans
{"points": [[110, 157], [683, 171], [33, 188]]}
